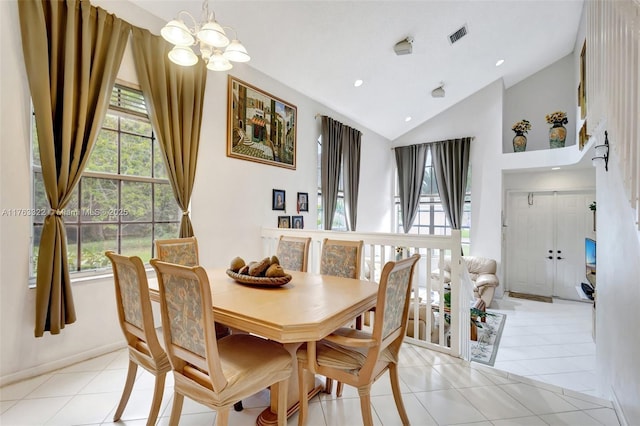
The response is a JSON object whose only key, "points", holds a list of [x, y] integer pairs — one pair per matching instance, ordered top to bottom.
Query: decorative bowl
{"points": [[259, 281]]}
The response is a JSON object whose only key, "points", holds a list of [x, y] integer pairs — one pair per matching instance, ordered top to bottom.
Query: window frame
{"points": [[132, 109], [431, 203]]}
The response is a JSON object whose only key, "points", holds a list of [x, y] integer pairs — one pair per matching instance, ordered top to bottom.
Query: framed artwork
{"points": [[582, 88], [260, 126], [583, 137], [278, 200], [303, 202], [284, 221], [297, 222]]}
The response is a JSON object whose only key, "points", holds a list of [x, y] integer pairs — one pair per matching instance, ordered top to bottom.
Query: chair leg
{"points": [[328, 386], [283, 388], [158, 389], [339, 389], [126, 392], [302, 393], [397, 395], [365, 405], [176, 409], [222, 416]]}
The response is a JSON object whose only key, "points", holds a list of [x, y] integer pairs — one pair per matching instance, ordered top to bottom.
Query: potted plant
{"points": [[557, 133], [520, 140]]}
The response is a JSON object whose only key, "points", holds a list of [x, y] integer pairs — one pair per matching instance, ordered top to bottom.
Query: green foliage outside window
{"points": [[123, 200]]}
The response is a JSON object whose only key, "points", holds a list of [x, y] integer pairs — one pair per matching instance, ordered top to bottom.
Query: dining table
{"points": [[307, 308]]}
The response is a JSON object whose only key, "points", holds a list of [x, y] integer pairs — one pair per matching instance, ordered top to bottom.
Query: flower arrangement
{"points": [[557, 117], [522, 126]]}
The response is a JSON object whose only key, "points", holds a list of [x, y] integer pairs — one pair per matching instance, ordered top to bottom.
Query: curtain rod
{"points": [[432, 142]]}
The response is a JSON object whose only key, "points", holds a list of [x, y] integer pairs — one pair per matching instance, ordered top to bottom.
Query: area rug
{"points": [[531, 297], [485, 349]]}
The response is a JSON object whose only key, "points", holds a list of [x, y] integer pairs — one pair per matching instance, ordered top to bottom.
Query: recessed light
{"points": [[500, 62], [358, 83], [407, 119], [555, 168]]}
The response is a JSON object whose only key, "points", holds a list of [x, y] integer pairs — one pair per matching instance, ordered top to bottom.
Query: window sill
{"points": [[88, 277]]}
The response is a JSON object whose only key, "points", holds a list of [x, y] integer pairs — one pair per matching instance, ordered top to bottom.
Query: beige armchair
{"points": [[482, 271]]}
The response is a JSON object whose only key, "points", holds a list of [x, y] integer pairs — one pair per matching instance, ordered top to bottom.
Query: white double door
{"points": [[545, 242]]}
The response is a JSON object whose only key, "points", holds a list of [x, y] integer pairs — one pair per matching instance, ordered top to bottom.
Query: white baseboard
{"points": [[59, 363], [618, 409]]}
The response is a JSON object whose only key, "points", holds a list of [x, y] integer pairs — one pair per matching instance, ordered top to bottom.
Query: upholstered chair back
{"points": [[183, 251], [293, 253], [341, 258], [136, 321]]}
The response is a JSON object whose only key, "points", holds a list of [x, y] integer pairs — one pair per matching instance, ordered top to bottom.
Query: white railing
{"points": [[613, 92], [430, 330]]}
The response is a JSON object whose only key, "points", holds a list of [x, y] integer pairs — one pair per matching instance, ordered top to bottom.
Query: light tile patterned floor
{"points": [[437, 389]]}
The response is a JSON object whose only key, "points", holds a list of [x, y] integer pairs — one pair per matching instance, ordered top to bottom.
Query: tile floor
{"points": [[549, 342], [437, 389]]}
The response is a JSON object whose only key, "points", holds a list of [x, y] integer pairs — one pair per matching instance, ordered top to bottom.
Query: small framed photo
{"points": [[278, 201], [303, 202], [284, 221], [297, 222]]}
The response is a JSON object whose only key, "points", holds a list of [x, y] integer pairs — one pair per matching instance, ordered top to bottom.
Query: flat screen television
{"points": [[590, 260]]}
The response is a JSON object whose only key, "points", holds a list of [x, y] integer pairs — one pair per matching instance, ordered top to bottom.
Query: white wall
{"points": [[550, 89], [479, 116], [232, 198], [231, 202], [618, 291]]}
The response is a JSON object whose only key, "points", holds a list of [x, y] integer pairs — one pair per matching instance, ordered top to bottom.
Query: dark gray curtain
{"points": [[410, 163], [451, 164], [330, 167], [351, 173]]}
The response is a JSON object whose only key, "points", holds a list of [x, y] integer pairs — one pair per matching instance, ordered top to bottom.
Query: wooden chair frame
{"points": [[143, 344], [374, 344], [202, 378]]}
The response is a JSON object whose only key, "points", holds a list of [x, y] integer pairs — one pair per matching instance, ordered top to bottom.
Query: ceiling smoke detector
{"points": [[404, 47], [438, 92]]}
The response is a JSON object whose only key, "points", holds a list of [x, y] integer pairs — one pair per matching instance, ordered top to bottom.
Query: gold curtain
{"points": [[72, 52], [174, 96]]}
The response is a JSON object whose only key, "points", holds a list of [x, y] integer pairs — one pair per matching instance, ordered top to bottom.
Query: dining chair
{"points": [[183, 251], [293, 253], [343, 259], [136, 320], [358, 358], [213, 372]]}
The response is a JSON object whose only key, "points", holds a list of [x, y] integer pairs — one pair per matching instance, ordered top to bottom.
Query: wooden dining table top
{"points": [[307, 308]]}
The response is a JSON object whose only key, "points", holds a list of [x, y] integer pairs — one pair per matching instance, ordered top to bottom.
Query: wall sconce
{"points": [[602, 153]]}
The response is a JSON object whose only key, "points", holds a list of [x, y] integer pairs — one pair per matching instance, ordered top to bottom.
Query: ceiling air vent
{"points": [[458, 34]]}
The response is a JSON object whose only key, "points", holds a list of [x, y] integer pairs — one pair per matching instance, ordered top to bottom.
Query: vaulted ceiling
{"points": [[320, 48]]}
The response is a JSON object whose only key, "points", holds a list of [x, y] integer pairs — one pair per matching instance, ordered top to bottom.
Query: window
{"points": [[123, 201], [340, 217], [431, 219]]}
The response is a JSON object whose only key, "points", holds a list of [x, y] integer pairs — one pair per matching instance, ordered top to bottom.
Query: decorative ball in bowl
{"points": [[265, 272]]}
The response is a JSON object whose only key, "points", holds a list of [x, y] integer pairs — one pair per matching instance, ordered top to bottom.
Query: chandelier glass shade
{"points": [[208, 36]]}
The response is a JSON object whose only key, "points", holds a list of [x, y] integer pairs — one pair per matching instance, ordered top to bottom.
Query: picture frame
{"points": [[582, 87], [260, 126], [583, 137], [278, 200], [303, 202], [284, 221], [297, 222]]}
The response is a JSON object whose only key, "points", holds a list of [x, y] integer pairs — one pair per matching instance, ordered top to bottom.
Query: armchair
{"points": [[482, 271]]}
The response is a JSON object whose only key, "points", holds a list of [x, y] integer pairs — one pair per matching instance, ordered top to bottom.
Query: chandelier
{"points": [[208, 36]]}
